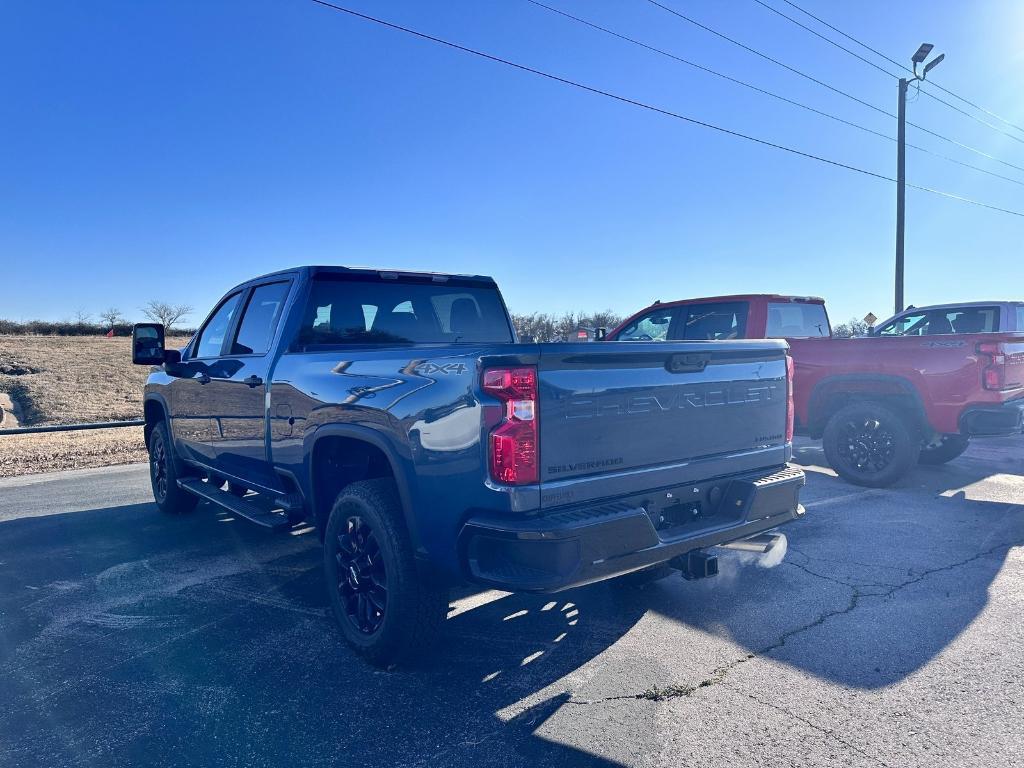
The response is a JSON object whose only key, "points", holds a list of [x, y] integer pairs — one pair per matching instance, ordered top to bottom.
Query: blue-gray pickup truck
{"points": [[398, 413]]}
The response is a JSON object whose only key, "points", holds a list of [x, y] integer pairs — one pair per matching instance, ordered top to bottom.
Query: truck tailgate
{"points": [[614, 411]]}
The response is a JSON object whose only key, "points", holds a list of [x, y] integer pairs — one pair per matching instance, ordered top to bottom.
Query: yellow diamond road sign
{"points": [[870, 319]]}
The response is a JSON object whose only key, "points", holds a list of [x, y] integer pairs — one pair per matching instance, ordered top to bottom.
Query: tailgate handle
{"points": [[690, 362]]}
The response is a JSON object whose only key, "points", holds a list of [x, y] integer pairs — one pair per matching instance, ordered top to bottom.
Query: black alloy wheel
{"points": [[871, 443], [867, 444], [158, 469], [164, 473], [362, 576], [388, 611]]}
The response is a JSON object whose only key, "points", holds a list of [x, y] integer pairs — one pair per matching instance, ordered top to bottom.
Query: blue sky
{"points": [[168, 150]]}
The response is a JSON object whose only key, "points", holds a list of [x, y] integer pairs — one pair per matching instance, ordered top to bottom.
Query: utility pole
{"points": [[901, 160], [901, 188]]}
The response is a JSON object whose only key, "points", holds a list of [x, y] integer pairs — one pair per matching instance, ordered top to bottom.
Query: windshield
{"points": [[653, 326]]}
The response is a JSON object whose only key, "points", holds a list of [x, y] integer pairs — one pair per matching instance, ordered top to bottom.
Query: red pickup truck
{"points": [[914, 391]]}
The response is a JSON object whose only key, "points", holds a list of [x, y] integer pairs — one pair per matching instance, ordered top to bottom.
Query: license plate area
{"points": [[693, 508], [690, 509]]}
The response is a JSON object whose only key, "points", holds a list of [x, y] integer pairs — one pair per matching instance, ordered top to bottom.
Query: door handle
{"points": [[203, 377], [254, 381]]}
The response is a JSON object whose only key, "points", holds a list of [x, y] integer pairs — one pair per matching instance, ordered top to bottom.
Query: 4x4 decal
{"points": [[425, 369]]}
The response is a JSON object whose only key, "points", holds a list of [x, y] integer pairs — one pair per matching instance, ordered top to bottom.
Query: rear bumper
{"points": [[993, 420], [584, 545]]}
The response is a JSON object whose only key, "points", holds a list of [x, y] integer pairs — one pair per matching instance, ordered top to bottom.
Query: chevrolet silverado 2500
{"points": [[916, 390], [397, 413]]}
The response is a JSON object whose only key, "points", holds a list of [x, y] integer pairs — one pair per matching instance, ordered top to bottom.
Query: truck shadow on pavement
{"points": [[133, 637]]}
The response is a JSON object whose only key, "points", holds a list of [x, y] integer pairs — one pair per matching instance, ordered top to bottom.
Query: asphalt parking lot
{"points": [[890, 635]]}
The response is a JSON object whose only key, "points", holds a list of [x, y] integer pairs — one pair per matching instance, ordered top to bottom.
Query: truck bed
{"points": [[944, 373]]}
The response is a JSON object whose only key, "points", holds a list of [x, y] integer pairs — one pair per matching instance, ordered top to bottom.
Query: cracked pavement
{"points": [[889, 636]]}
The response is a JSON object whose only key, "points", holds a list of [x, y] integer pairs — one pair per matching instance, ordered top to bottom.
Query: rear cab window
{"points": [[366, 309], [796, 320]]}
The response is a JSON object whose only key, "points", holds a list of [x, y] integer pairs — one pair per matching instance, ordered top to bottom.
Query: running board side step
{"points": [[242, 507]]}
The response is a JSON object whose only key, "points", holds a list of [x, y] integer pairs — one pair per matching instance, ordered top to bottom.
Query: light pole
{"points": [[901, 159]]}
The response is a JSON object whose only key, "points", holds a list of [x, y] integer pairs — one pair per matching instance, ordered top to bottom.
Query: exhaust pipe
{"points": [[761, 544], [697, 564]]}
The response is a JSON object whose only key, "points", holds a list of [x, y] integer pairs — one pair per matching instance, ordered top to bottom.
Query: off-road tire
{"points": [[870, 444], [947, 450], [164, 471], [414, 610]]}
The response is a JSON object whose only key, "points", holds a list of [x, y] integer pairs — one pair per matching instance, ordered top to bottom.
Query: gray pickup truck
{"points": [[398, 414]]}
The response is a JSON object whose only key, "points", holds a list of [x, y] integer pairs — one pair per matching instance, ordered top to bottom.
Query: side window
{"points": [[260, 319], [974, 319], [1020, 319], [715, 322], [915, 324], [651, 327], [211, 337]]}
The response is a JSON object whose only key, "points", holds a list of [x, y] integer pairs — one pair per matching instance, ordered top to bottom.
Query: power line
{"points": [[830, 41], [766, 57], [902, 66], [710, 71], [813, 79], [763, 91], [643, 105], [975, 118], [956, 143], [968, 200]]}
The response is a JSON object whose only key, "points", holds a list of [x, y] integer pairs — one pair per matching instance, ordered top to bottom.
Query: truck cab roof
{"points": [[315, 269], [744, 297]]}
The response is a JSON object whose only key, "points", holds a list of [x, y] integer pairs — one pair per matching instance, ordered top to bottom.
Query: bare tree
{"points": [[168, 314], [82, 317], [111, 317], [544, 327], [852, 327]]}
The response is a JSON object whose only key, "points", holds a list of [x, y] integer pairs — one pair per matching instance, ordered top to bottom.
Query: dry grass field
{"points": [[69, 380], [50, 452]]}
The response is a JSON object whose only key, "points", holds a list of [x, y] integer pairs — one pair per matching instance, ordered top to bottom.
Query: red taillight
{"points": [[993, 375], [790, 407], [513, 443]]}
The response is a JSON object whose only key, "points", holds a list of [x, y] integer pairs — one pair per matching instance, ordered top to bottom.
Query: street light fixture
{"points": [[922, 53], [932, 64], [901, 158]]}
